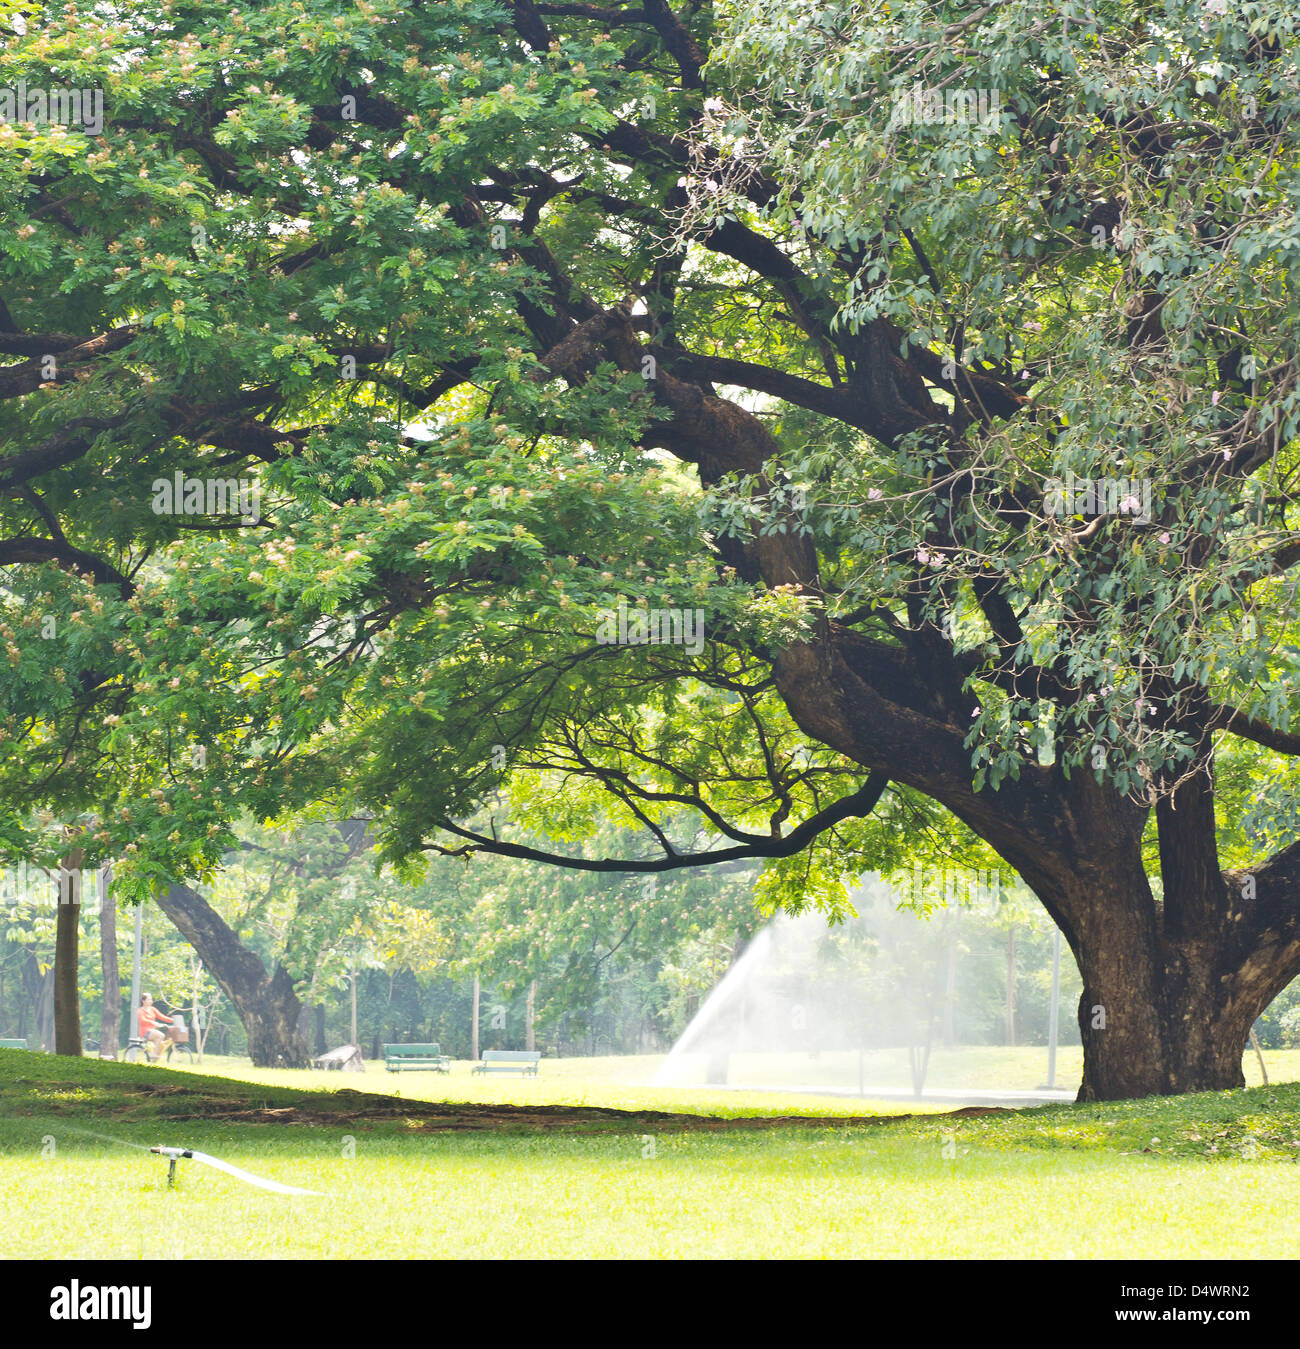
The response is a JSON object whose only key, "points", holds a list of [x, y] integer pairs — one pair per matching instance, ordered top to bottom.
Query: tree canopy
{"points": [[505, 320]]}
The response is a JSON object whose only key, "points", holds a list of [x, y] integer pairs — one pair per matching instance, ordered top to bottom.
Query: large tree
{"points": [[517, 312]]}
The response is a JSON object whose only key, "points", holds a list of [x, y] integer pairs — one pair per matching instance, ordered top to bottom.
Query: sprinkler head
{"points": [[172, 1155]]}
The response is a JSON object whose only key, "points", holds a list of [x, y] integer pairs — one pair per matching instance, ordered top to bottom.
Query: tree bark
{"points": [[67, 944], [1171, 990], [267, 1006], [45, 1012], [110, 1020], [271, 1023], [1151, 1031]]}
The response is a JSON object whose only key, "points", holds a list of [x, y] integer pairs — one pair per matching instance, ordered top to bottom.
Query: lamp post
{"points": [[135, 970], [354, 998]]}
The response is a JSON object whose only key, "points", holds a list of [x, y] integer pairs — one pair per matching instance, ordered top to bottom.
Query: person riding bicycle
{"points": [[148, 1017]]}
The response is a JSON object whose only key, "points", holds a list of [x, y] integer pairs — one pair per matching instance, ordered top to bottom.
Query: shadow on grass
{"points": [[91, 1090], [1260, 1122]]}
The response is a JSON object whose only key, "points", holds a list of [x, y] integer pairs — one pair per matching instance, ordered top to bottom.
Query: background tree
{"points": [[289, 889]]}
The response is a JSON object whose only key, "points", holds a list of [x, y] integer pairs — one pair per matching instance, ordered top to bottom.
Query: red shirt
{"points": [[148, 1017]]}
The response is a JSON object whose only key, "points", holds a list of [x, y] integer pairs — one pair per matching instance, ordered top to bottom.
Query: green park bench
{"points": [[13, 1044], [428, 1058], [509, 1061]]}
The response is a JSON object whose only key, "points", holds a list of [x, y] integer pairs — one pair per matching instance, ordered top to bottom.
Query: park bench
{"points": [[13, 1044], [429, 1058], [509, 1061]]}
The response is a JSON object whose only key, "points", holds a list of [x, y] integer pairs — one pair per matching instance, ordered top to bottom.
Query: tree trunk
{"points": [[1171, 990], [67, 997], [268, 1008], [45, 1012], [110, 1020], [1160, 1023], [272, 1024], [203, 1025], [321, 1046]]}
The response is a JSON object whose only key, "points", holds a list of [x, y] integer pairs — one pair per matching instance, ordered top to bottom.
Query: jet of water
{"points": [[889, 1004], [107, 1138], [215, 1162], [218, 1165]]}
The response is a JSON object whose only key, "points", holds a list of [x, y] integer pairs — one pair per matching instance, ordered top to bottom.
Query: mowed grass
{"points": [[1209, 1175]]}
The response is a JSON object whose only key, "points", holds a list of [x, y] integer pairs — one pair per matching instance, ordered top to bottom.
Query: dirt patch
{"points": [[458, 1116]]}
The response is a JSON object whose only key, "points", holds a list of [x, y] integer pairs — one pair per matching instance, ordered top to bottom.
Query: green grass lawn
{"points": [[1210, 1175]]}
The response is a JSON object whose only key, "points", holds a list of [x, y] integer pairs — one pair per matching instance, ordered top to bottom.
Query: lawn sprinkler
{"points": [[175, 1154]]}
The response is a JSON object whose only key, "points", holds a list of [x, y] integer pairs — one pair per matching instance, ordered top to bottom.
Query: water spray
{"points": [[105, 1138], [174, 1155]]}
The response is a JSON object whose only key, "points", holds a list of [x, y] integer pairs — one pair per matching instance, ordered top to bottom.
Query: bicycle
{"points": [[176, 1041]]}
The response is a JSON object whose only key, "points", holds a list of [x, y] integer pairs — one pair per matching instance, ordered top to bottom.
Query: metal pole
{"points": [[354, 999], [1054, 1022], [132, 1027]]}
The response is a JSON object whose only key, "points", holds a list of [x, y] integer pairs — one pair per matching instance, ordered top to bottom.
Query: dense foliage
{"points": [[508, 323]]}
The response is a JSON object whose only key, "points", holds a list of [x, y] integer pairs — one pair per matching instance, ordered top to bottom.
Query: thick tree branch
{"points": [[63, 554], [1248, 728], [857, 805]]}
